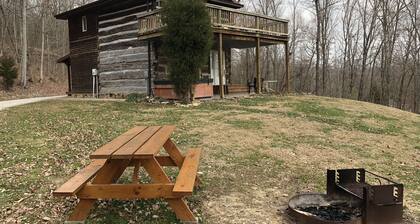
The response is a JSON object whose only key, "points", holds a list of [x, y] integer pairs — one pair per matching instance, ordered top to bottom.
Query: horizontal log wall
{"points": [[123, 58]]}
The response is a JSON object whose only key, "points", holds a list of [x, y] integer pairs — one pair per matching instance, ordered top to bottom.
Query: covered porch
{"points": [[233, 29]]}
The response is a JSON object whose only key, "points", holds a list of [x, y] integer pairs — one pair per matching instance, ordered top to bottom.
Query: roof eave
{"points": [[229, 4], [66, 15]]}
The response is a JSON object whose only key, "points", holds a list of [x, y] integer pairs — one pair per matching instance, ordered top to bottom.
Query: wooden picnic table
{"points": [[139, 147]]}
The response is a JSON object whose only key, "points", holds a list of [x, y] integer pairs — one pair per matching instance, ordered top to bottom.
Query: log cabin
{"points": [[115, 48]]}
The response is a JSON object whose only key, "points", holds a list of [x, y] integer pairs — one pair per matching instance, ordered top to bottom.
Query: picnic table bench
{"points": [[139, 147]]}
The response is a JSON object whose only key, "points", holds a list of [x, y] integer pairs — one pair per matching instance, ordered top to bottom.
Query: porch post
{"points": [[287, 56], [258, 66], [149, 70], [221, 70], [69, 93]]}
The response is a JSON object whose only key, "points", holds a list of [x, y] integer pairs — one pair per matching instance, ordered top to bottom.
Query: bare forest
{"points": [[31, 35], [366, 50]]}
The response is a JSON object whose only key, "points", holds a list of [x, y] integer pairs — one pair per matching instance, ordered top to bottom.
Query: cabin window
{"points": [[84, 24]]}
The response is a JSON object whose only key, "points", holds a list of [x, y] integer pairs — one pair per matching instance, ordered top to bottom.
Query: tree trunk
{"points": [[317, 45], [24, 60], [41, 70], [362, 77]]}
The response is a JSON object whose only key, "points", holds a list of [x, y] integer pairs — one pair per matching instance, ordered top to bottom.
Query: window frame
{"points": [[84, 24]]}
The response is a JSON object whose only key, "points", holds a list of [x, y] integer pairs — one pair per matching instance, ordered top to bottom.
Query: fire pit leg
{"points": [[331, 180], [365, 205]]}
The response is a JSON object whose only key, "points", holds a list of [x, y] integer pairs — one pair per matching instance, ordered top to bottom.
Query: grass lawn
{"points": [[258, 152]]}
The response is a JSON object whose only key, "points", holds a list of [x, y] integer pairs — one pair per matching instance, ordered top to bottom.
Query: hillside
{"points": [[50, 87], [258, 152]]}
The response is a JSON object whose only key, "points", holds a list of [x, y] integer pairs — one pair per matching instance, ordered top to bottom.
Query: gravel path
{"points": [[14, 103]]}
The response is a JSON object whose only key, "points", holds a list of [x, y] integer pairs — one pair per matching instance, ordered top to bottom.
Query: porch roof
{"points": [[109, 3]]}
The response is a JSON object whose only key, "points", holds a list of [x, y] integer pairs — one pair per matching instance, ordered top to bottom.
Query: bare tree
{"points": [[44, 4], [413, 10], [368, 11], [390, 21], [318, 43], [349, 46], [24, 60]]}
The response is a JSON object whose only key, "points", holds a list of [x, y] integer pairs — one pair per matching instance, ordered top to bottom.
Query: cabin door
{"points": [[214, 67]]}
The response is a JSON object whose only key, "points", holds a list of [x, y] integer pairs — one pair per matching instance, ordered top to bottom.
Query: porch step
{"points": [[238, 88]]}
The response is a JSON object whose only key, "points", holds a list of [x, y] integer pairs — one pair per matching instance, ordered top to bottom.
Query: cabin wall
{"points": [[83, 52], [123, 59]]}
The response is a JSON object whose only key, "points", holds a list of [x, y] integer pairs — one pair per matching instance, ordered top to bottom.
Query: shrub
{"points": [[187, 42], [8, 71]]}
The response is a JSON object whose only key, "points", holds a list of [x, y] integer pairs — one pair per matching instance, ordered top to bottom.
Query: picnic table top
{"points": [[138, 143]]}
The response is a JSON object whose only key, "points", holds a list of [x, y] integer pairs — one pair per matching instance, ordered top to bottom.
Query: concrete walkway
{"points": [[14, 103]]}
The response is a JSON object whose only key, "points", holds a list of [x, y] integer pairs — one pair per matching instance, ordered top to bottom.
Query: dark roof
{"points": [[100, 3], [227, 3], [81, 9], [65, 59]]}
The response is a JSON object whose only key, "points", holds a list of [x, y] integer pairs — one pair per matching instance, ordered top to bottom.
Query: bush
{"points": [[187, 42], [8, 71]]}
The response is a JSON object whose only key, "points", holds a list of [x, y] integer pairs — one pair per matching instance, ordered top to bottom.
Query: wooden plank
{"points": [[286, 48], [116, 53], [124, 58], [258, 65], [221, 70], [124, 75], [123, 83], [124, 90], [155, 143], [134, 144], [106, 151], [174, 152], [176, 156], [162, 160], [165, 161], [155, 171], [109, 173], [136, 173], [186, 179], [72, 186], [128, 191], [179, 206], [82, 210], [182, 211]]}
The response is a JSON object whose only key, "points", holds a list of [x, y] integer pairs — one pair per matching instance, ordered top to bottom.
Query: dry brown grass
{"points": [[258, 152]]}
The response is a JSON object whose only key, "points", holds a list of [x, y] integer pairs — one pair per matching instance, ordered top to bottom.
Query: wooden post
{"points": [[287, 56], [68, 64], [258, 66], [221, 70], [149, 72]]}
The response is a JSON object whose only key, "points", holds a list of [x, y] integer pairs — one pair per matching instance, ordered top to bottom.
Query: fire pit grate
{"points": [[351, 199]]}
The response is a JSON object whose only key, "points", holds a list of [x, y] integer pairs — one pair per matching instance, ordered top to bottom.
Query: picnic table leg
{"points": [[177, 156], [110, 173], [136, 173], [179, 206], [82, 210]]}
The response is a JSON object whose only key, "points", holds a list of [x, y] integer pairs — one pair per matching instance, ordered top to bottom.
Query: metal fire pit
{"points": [[380, 203], [298, 204]]}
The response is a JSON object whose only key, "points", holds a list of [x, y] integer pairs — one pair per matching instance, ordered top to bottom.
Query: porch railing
{"points": [[223, 18]]}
